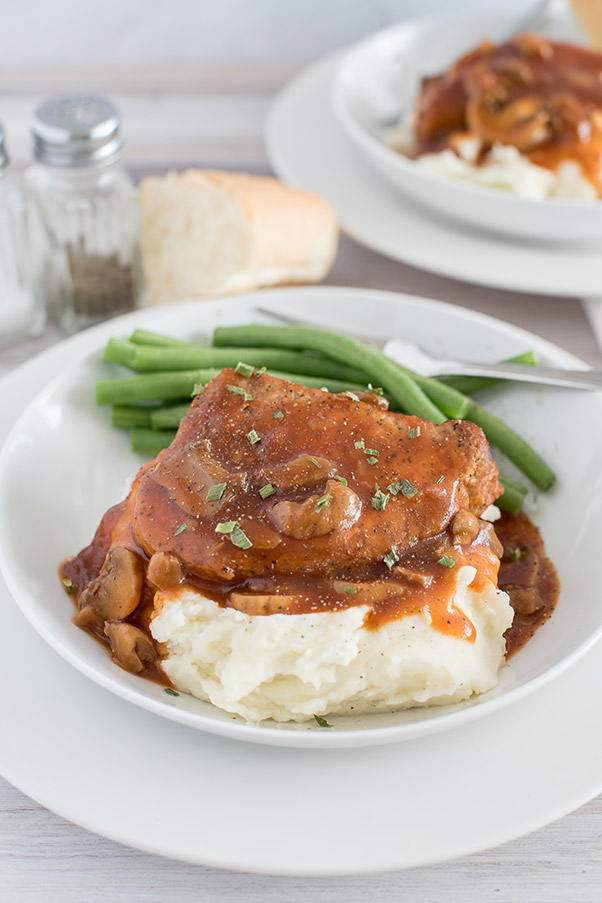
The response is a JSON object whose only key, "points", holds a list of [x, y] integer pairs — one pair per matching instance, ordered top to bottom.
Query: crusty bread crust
{"points": [[207, 233]]}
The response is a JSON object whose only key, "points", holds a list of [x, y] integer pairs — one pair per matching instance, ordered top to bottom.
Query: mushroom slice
{"points": [[301, 471], [337, 509], [164, 571], [115, 593], [261, 604], [130, 646]]}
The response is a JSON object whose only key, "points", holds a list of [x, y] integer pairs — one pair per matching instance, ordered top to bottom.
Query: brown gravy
{"points": [[543, 97]]}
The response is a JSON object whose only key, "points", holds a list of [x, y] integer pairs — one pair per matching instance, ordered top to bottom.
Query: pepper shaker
{"points": [[86, 224], [21, 314]]}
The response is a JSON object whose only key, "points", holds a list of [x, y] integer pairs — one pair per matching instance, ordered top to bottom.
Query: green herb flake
{"points": [[244, 369], [260, 372], [197, 389], [236, 390], [376, 390], [351, 395], [277, 415], [413, 432], [253, 437], [360, 444], [372, 451], [372, 460], [317, 463], [341, 480], [440, 480], [394, 488], [407, 489], [266, 491], [215, 492], [380, 499], [323, 502], [226, 526], [180, 529], [233, 529], [239, 538], [515, 555], [391, 558], [446, 561], [68, 584], [350, 590], [169, 692], [322, 721]]}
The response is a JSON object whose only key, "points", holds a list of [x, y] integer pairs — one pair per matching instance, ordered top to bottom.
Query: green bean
{"points": [[144, 337], [119, 352], [146, 357], [380, 370], [180, 384], [470, 384], [151, 386], [169, 415], [127, 416], [150, 442], [513, 446], [513, 497]]}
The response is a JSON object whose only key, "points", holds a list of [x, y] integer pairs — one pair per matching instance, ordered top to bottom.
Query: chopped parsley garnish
{"points": [[244, 369], [260, 372], [197, 389], [236, 390], [376, 390], [351, 395], [277, 415], [413, 432], [253, 437], [360, 444], [372, 451], [372, 460], [317, 463], [341, 480], [440, 480], [403, 486], [266, 491], [215, 492], [380, 499], [323, 502], [180, 529], [237, 536], [515, 555], [391, 558], [446, 561], [68, 584], [350, 590], [169, 692], [322, 721]]}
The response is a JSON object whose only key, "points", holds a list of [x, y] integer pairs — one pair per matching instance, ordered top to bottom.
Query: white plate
{"points": [[402, 55], [308, 148], [62, 460], [130, 776]]}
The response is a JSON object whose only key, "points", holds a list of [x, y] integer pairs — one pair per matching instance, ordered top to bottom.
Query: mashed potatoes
{"points": [[292, 667]]}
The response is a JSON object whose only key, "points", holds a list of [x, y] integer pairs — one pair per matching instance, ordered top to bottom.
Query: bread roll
{"points": [[207, 233]]}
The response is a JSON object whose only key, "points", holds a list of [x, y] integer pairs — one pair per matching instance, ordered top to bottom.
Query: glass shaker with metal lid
{"points": [[86, 228], [21, 314]]}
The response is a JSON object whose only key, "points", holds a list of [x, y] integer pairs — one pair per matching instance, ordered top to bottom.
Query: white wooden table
{"points": [[201, 117]]}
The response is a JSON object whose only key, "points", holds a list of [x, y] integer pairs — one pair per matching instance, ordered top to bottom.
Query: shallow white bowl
{"points": [[381, 74], [62, 466]]}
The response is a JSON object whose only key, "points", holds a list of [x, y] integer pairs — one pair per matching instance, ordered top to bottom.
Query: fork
{"points": [[415, 358]]}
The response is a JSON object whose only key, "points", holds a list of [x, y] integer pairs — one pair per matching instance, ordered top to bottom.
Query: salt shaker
{"points": [[86, 227], [21, 314]]}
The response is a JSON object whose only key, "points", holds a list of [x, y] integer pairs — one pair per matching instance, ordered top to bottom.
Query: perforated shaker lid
{"points": [[76, 131]]}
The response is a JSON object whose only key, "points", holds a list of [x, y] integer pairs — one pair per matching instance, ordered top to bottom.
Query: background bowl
{"points": [[380, 77]]}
